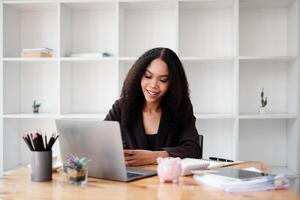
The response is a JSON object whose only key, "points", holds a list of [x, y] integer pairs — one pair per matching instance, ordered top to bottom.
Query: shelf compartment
{"points": [[213, 24], [29, 25], [145, 25], [88, 28], [268, 28], [267, 58], [16, 59], [73, 59], [130, 59], [207, 59], [124, 67], [279, 80], [24, 82], [208, 82], [84, 87], [31, 116], [100, 116], [214, 116], [268, 116], [260, 139], [219, 140], [15, 151]]}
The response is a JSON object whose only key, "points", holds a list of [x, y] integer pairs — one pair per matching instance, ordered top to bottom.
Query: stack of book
{"points": [[37, 52], [235, 180]]}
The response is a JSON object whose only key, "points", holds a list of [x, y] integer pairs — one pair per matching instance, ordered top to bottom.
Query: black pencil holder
{"points": [[41, 166]]}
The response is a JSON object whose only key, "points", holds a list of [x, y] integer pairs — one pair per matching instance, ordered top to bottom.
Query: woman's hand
{"points": [[142, 157]]}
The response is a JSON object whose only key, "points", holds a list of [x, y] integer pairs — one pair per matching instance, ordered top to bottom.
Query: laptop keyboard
{"points": [[133, 175]]}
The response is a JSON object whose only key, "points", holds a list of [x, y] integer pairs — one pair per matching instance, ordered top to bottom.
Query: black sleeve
{"points": [[114, 113], [188, 140]]}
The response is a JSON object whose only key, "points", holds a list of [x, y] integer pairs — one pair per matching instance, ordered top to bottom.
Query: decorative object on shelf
{"points": [[37, 52], [107, 54], [90, 55], [264, 102], [36, 106], [169, 169], [76, 170]]}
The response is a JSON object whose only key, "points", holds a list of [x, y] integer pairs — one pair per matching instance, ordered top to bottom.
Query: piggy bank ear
{"points": [[159, 159], [178, 160]]}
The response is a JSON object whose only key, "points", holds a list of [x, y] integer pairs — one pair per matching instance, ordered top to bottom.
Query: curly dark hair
{"points": [[177, 98]]}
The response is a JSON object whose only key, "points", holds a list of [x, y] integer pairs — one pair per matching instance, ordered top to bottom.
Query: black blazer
{"points": [[179, 141]]}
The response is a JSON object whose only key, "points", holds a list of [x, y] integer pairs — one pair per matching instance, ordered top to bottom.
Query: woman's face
{"points": [[155, 81]]}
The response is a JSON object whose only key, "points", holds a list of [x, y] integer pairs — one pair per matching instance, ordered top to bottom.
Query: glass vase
{"points": [[77, 177]]}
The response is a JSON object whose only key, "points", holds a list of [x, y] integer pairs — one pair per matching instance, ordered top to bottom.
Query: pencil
{"points": [[27, 142]]}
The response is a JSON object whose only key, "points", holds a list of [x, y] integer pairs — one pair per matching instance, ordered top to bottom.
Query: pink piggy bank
{"points": [[169, 169]]}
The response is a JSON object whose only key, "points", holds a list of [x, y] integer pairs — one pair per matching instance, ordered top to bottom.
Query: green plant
{"points": [[264, 100], [36, 106], [76, 163]]}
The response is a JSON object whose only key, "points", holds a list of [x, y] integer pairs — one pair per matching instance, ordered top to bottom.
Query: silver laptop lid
{"points": [[99, 141]]}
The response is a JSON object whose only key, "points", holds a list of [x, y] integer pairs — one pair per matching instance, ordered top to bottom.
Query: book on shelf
{"points": [[42, 49], [35, 54], [241, 180]]}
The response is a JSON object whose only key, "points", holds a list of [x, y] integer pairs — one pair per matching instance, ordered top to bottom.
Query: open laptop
{"points": [[101, 142]]}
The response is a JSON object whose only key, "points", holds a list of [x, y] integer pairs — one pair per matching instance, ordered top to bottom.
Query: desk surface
{"points": [[17, 185]]}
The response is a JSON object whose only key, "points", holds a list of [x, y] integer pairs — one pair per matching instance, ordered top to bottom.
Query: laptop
{"points": [[101, 143]]}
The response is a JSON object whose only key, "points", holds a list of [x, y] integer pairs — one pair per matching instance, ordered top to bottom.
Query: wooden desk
{"points": [[17, 185]]}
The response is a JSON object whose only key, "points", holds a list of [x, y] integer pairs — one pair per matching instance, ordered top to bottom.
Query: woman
{"points": [[155, 112]]}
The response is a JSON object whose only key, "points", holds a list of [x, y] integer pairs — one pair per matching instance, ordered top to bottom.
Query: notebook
{"points": [[191, 165]]}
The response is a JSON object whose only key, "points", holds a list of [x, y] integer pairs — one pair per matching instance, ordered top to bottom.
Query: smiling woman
{"points": [[154, 111]]}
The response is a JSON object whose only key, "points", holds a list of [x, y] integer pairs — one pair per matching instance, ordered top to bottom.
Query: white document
{"points": [[229, 184]]}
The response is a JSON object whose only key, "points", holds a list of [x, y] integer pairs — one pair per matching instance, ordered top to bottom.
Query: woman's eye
{"points": [[147, 76], [164, 81]]}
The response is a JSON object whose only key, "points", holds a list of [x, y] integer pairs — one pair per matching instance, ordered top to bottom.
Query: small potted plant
{"points": [[263, 101], [36, 107], [76, 170]]}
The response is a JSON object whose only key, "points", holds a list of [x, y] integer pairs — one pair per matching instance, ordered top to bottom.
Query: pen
{"points": [[51, 141], [39, 142], [28, 143], [46, 144], [220, 159]]}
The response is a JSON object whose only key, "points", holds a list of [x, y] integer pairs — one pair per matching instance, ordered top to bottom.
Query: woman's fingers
{"points": [[128, 151], [137, 157], [128, 158], [131, 163]]}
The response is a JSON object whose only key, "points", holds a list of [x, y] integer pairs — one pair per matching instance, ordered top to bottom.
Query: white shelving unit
{"points": [[230, 49]]}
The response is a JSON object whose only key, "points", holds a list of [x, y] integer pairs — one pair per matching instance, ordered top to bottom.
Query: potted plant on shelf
{"points": [[263, 101], [36, 107], [76, 170]]}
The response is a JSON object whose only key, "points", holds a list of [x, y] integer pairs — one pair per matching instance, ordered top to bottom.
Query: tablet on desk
{"points": [[239, 173]]}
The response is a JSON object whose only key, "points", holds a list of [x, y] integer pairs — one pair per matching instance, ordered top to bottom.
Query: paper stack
{"points": [[37, 52], [228, 184]]}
